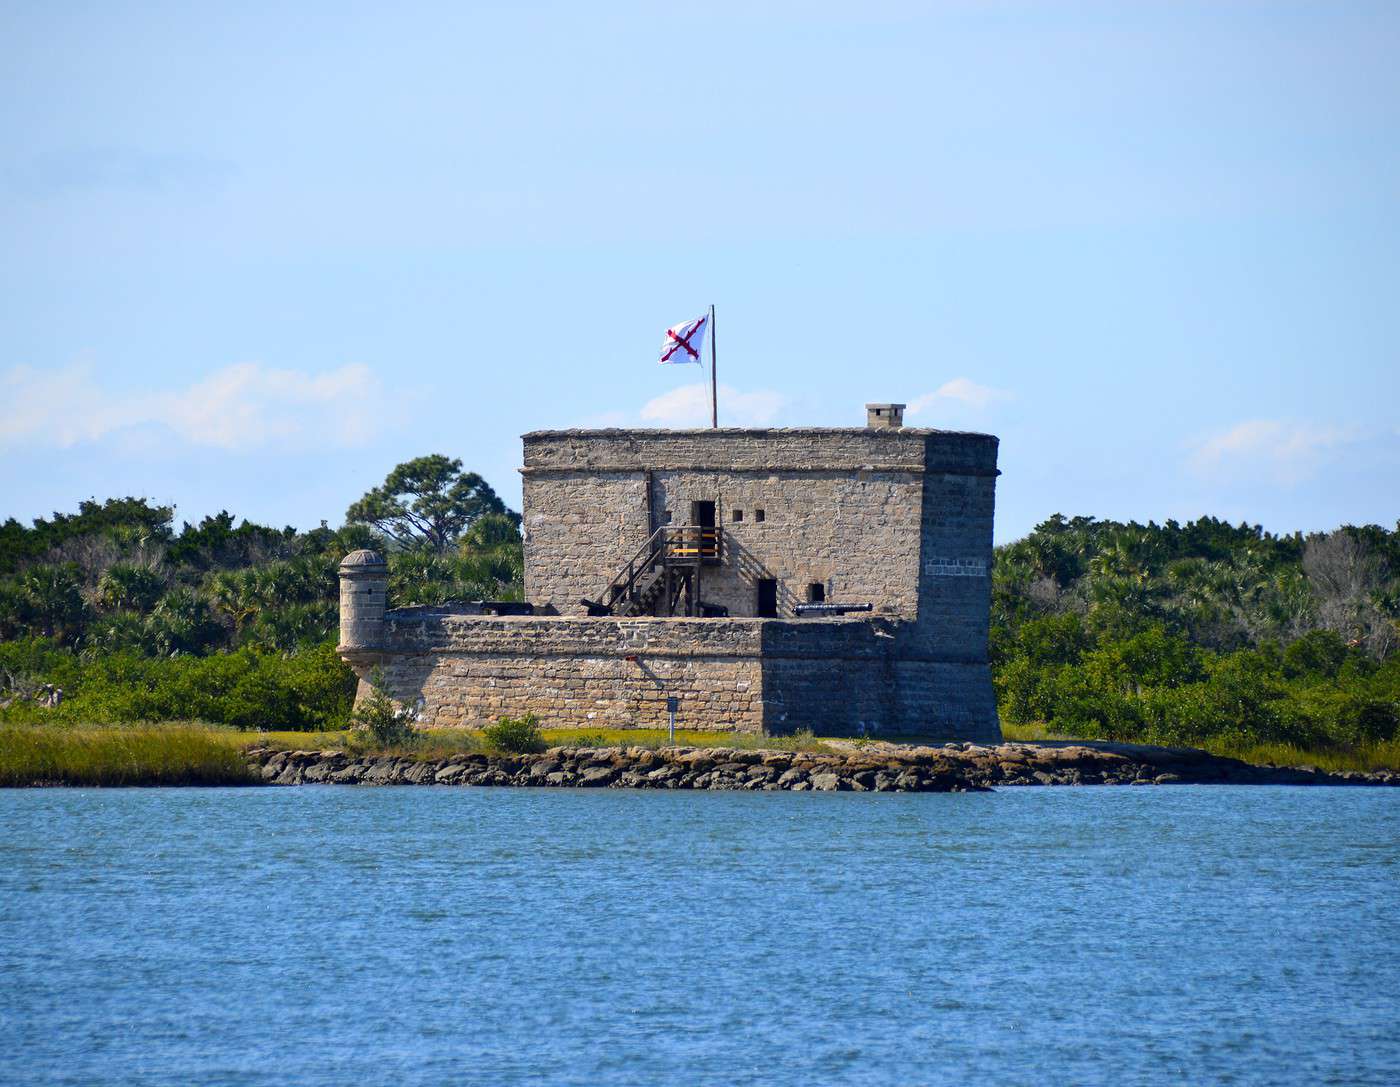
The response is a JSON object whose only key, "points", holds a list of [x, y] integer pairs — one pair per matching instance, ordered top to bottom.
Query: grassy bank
{"points": [[440, 743], [191, 753], [196, 754], [154, 755], [1365, 757]]}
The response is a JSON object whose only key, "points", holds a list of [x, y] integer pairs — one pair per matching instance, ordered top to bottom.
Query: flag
{"points": [[684, 341]]}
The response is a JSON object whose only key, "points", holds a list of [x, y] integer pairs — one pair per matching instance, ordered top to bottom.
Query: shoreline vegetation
{"points": [[117, 630], [195, 754]]}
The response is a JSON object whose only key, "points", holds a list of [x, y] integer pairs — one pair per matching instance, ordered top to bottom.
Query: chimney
{"points": [[884, 416]]}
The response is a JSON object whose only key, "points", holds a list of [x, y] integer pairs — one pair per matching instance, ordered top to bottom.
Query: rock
{"points": [[879, 767]]}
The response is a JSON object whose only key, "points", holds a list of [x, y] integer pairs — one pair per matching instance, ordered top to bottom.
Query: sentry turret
{"points": [[364, 582]]}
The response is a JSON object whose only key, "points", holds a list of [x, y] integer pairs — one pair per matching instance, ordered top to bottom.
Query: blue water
{"points": [[337, 935]]}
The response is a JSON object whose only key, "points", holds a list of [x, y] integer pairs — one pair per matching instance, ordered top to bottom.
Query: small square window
{"points": [[738, 515], [758, 516], [665, 517], [816, 593]]}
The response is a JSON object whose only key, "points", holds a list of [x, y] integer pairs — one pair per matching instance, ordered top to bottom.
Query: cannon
{"points": [[830, 609]]}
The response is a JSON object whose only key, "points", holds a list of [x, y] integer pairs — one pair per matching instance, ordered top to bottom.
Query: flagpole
{"points": [[714, 387]]}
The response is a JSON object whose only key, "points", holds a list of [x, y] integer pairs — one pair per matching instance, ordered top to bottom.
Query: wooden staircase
{"points": [[664, 574]]}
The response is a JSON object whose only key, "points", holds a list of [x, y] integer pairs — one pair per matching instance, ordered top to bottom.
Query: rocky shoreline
{"points": [[850, 767]]}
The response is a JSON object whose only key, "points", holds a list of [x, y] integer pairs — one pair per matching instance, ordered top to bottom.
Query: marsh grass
{"points": [[443, 743], [192, 753], [138, 755], [1364, 757]]}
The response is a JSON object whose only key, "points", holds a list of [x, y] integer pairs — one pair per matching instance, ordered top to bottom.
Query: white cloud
{"points": [[963, 390], [689, 406], [241, 407], [1289, 451]]}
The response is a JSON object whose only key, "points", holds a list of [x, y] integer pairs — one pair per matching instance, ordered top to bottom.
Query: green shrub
{"points": [[1317, 653], [249, 688], [1364, 719], [388, 724], [517, 735]]}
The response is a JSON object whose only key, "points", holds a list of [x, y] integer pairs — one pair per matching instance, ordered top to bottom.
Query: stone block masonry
{"points": [[861, 512], [895, 518], [840, 677]]}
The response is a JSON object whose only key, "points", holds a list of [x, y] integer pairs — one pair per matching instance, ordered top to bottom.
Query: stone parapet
{"points": [[733, 449]]}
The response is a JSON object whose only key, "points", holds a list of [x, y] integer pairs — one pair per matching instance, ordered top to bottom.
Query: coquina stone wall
{"points": [[846, 508], [898, 518], [834, 677]]}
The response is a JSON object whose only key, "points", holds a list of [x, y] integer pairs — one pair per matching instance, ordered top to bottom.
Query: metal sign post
{"points": [[672, 705]]}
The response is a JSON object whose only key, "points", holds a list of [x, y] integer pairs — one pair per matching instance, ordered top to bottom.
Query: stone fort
{"points": [[769, 580]]}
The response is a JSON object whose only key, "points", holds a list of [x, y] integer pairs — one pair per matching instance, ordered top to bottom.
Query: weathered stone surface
{"points": [[898, 518], [850, 767]]}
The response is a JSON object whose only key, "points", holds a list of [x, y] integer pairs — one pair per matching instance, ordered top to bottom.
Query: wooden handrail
{"points": [[688, 542]]}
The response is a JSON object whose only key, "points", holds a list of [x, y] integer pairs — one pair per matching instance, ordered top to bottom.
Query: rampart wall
{"points": [[835, 677]]}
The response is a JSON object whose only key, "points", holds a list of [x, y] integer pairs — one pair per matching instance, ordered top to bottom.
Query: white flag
{"points": [[684, 341]]}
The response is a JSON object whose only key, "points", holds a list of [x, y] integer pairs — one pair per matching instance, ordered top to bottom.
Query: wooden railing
{"points": [[693, 541], [677, 546]]}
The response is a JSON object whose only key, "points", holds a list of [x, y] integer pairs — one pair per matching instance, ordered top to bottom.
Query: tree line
{"points": [[232, 622], [1199, 632], [1172, 633]]}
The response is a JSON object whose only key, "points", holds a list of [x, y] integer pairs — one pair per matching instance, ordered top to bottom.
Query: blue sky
{"points": [[255, 255]]}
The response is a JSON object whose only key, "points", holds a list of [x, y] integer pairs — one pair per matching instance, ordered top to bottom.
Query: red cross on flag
{"points": [[684, 341]]}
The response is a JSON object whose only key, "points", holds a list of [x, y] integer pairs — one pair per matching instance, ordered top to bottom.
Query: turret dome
{"points": [[363, 557]]}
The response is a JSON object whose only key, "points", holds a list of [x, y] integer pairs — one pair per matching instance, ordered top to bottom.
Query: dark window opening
{"points": [[738, 515], [758, 515], [702, 516], [665, 517], [816, 593], [767, 598]]}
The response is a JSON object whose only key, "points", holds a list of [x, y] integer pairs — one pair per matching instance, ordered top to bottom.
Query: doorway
{"points": [[702, 515], [767, 598]]}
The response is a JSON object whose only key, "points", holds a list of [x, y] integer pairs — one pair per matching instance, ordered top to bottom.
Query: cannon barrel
{"points": [[830, 609]]}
